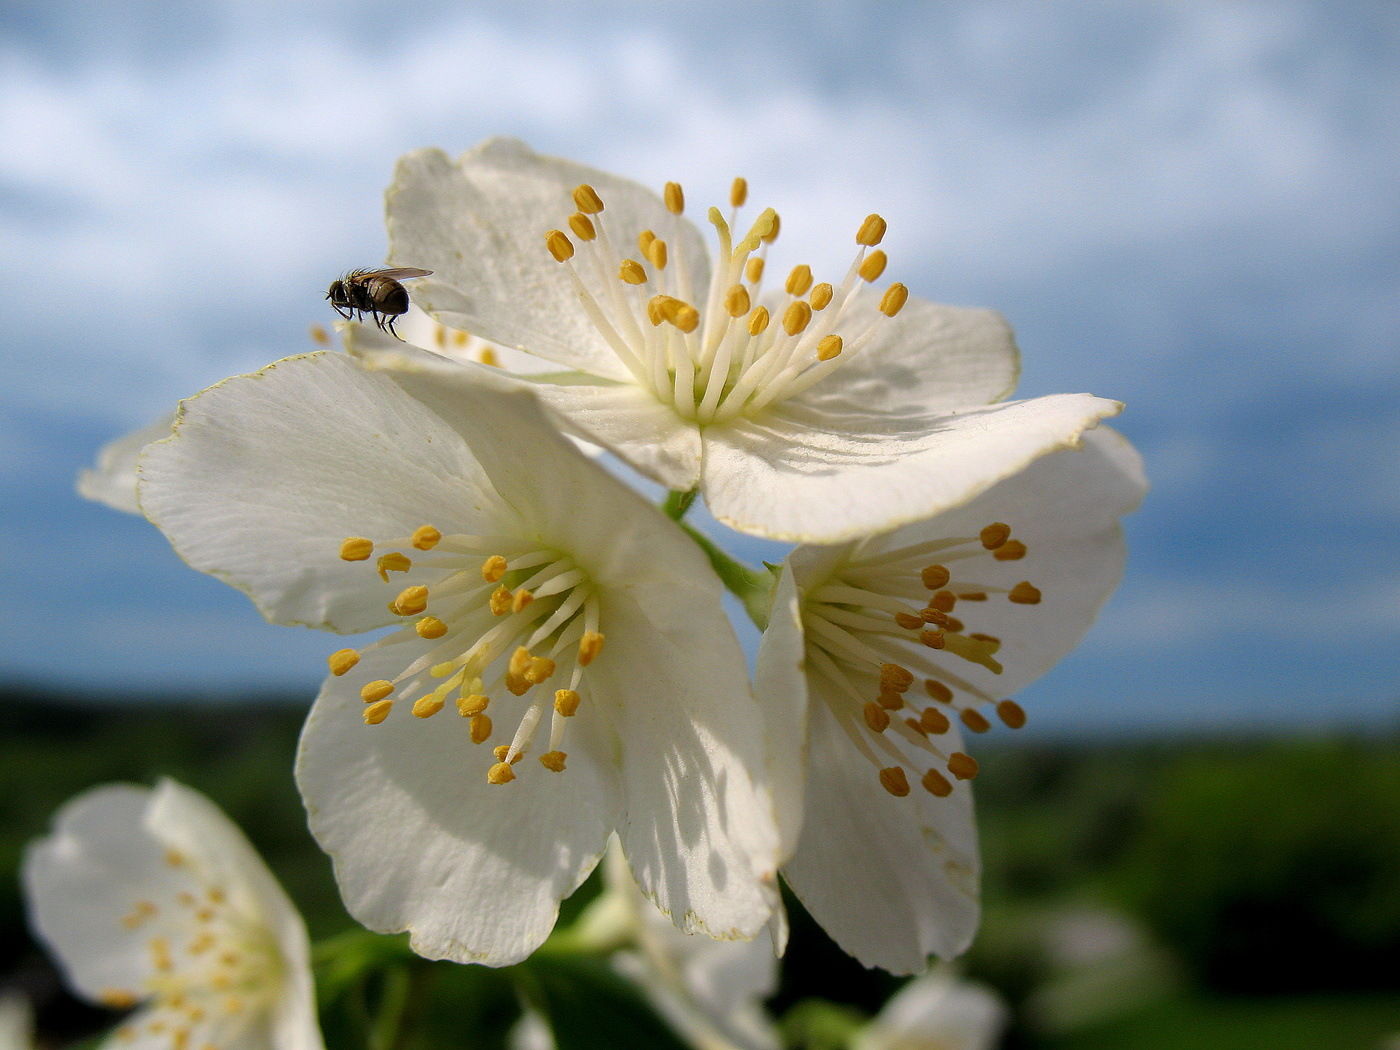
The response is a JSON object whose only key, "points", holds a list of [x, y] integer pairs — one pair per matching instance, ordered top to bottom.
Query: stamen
{"points": [[738, 192], [675, 198], [586, 199], [774, 224], [582, 226], [871, 232], [644, 240], [559, 245], [656, 253], [872, 266], [753, 270], [632, 272], [799, 280], [821, 296], [894, 299], [736, 301], [797, 317], [758, 321], [319, 335], [828, 348], [995, 534], [425, 537], [356, 548], [1011, 550], [393, 562], [493, 568], [935, 576], [1024, 594], [972, 596], [520, 600], [411, 601], [500, 601], [943, 601], [909, 621], [430, 627], [589, 646], [342, 660], [896, 678], [376, 690], [938, 691], [891, 699], [566, 702], [470, 705], [427, 706], [377, 712], [1012, 715], [876, 718], [974, 720], [934, 721], [481, 728], [553, 760], [962, 766], [500, 773], [893, 780], [935, 783]]}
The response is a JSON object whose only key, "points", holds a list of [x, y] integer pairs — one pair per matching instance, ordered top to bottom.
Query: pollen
{"points": [[738, 192], [675, 198], [586, 199], [582, 226], [871, 232], [559, 245], [656, 253], [872, 266], [753, 270], [632, 272], [799, 280], [821, 296], [894, 299], [736, 301], [797, 317], [758, 321], [829, 347], [488, 357], [994, 535], [425, 538], [356, 548], [1011, 550], [393, 562], [493, 568], [935, 576], [1024, 594], [521, 599], [500, 600], [411, 601], [943, 601], [908, 621], [430, 627], [933, 639], [589, 646], [342, 660], [540, 669], [895, 678], [376, 690], [938, 691], [566, 702], [471, 704], [427, 706], [377, 712], [1012, 714], [876, 717], [974, 720], [934, 721], [481, 728], [502, 753], [553, 760], [962, 766], [500, 773], [893, 780], [935, 783]]}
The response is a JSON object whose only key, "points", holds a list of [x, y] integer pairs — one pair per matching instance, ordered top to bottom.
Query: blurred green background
{"points": [[1205, 893]]}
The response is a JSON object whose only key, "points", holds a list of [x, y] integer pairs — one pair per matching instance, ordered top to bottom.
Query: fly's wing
{"points": [[400, 273]]}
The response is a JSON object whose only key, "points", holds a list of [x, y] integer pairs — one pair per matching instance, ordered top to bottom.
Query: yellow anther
{"points": [[738, 192], [675, 198], [586, 199], [582, 226], [772, 227], [871, 232], [644, 240], [559, 245], [656, 253], [872, 266], [753, 270], [632, 272], [799, 280], [896, 295], [821, 296], [736, 301], [654, 314], [686, 317], [797, 317], [758, 321], [319, 335], [460, 338], [829, 347], [488, 357], [995, 534], [425, 537], [356, 548], [1011, 550], [393, 562], [493, 568], [935, 576], [1024, 593], [972, 596], [521, 599], [500, 600], [411, 601], [943, 601], [909, 621], [430, 627], [934, 639], [993, 642], [589, 646], [973, 650], [519, 664], [541, 667], [892, 676], [376, 690], [938, 691], [891, 699], [566, 702], [471, 704], [427, 706], [376, 713], [1012, 714], [876, 717], [932, 720], [974, 720], [915, 726], [481, 728], [501, 751], [553, 760], [962, 766], [500, 773], [893, 780], [935, 783], [139, 913], [201, 944], [117, 999]]}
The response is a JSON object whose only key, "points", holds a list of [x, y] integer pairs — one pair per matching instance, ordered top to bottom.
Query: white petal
{"points": [[479, 224], [928, 358], [621, 417], [267, 473], [791, 476], [113, 479], [1066, 508], [780, 683], [421, 842], [892, 880], [937, 1010], [16, 1022]]}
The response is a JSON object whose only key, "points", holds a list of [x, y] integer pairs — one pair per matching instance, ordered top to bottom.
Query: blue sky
{"points": [[1191, 208]]}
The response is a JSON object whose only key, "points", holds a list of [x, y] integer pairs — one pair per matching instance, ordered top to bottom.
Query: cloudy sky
{"points": [[1191, 208]]}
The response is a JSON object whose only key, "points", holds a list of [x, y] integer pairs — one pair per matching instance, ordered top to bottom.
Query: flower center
{"points": [[717, 353], [865, 619], [505, 620], [213, 967]]}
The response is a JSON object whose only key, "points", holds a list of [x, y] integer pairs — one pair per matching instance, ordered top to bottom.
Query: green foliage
{"points": [[589, 1007]]}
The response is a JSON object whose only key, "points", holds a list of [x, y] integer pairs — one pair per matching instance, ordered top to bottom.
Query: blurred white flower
{"points": [[817, 412], [536, 594], [873, 633], [153, 898], [936, 1012], [16, 1022]]}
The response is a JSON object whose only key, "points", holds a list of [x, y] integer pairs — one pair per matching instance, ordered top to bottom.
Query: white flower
{"points": [[819, 412], [112, 479], [547, 607], [899, 638], [154, 897], [936, 1012], [16, 1022]]}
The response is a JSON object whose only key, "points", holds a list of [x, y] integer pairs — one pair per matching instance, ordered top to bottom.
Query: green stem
{"points": [[677, 503], [753, 587]]}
